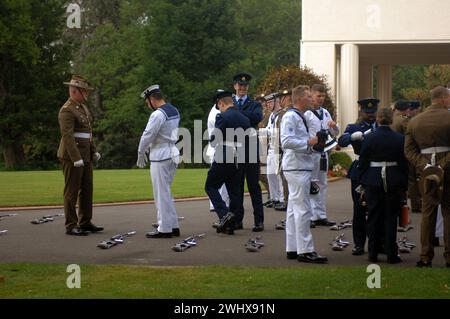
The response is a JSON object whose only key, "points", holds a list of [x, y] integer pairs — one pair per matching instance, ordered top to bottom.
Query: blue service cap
{"points": [[242, 78], [220, 94], [414, 104], [369, 105], [402, 105]]}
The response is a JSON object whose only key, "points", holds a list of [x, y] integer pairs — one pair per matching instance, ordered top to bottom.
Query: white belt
{"points": [[82, 135], [232, 144], [435, 149], [383, 164]]}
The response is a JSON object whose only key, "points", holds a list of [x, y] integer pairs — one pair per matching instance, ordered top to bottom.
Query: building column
{"points": [[365, 81], [384, 85], [347, 108]]}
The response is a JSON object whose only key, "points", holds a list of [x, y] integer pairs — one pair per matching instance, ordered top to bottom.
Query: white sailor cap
{"points": [[150, 90]]}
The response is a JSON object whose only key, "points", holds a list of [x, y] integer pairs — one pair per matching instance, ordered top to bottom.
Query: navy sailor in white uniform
{"points": [[159, 138], [297, 165]]}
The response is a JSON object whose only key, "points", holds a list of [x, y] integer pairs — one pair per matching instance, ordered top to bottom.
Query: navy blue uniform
{"points": [[253, 111], [223, 171], [384, 199], [359, 211]]}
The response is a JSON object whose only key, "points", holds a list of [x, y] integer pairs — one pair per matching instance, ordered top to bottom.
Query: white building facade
{"points": [[346, 39]]}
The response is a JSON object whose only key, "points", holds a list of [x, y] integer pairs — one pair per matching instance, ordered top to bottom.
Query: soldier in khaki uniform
{"points": [[427, 142], [76, 152]]}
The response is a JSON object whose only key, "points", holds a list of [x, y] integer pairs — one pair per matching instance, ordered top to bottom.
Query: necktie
{"points": [[240, 103]]}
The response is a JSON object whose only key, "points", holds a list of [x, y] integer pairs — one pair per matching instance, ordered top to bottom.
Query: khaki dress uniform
{"points": [[427, 136], [76, 144]]}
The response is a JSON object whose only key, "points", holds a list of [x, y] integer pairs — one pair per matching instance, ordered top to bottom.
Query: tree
{"points": [[32, 69], [434, 75], [290, 76]]}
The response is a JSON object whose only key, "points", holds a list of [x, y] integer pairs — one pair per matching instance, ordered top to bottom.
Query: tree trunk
{"points": [[13, 155]]}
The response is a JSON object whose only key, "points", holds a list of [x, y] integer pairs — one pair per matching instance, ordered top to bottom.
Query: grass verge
{"points": [[102, 281]]}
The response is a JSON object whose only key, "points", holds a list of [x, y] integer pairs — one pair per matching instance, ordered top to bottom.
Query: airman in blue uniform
{"points": [[354, 134], [227, 167], [251, 170], [384, 175]]}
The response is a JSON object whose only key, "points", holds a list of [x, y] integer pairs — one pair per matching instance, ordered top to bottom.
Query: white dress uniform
{"points": [[160, 135], [210, 151], [273, 159], [297, 166], [318, 201]]}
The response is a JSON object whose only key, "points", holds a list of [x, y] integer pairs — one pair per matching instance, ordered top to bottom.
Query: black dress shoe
{"points": [[269, 204], [281, 207], [225, 222], [324, 222], [312, 224], [238, 226], [92, 228], [258, 228], [76, 232], [175, 232], [157, 234], [357, 251], [291, 255], [312, 258], [394, 260], [423, 264]]}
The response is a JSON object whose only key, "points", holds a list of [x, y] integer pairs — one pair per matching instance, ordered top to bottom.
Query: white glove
{"points": [[357, 136], [97, 156], [142, 160], [79, 163]]}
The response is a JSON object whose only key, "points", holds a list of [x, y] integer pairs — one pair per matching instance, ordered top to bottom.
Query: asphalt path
{"points": [[47, 243]]}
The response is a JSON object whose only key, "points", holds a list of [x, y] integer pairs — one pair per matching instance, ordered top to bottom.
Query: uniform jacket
{"points": [[251, 109], [73, 118], [232, 118], [428, 129], [161, 134], [345, 140], [294, 143], [383, 145]]}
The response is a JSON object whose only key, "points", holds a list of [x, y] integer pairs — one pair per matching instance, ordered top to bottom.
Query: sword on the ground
{"points": [[7, 215], [45, 219], [115, 240], [187, 243]]}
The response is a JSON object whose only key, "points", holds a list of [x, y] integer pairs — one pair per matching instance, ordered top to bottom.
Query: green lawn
{"points": [[46, 187], [49, 281]]}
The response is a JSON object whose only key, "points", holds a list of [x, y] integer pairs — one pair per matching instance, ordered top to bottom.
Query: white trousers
{"points": [[162, 174], [274, 179], [224, 194], [318, 201], [298, 214], [439, 223]]}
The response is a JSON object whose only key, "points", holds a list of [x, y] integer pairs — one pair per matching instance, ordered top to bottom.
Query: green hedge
{"points": [[340, 158]]}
